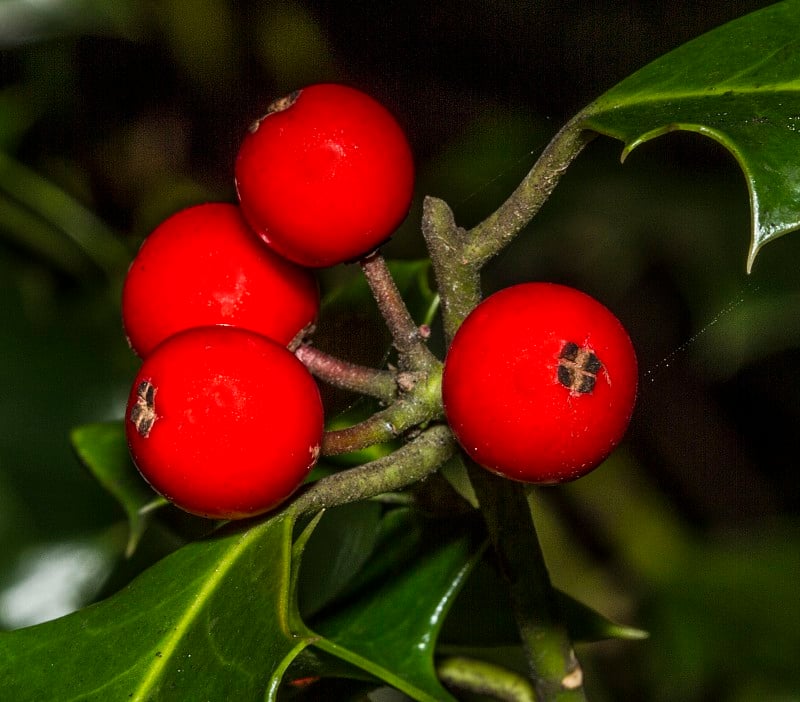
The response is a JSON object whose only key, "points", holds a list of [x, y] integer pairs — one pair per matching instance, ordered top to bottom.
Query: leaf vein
{"points": [[170, 644]]}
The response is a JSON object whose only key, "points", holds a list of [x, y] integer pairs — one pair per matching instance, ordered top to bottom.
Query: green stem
{"points": [[490, 236], [459, 255], [458, 281], [348, 376], [421, 404], [380, 428], [406, 466], [555, 669], [483, 678]]}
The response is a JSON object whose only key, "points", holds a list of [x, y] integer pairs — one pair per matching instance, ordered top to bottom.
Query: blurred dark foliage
{"points": [[114, 115]]}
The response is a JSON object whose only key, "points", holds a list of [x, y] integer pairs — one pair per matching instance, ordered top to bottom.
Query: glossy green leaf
{"points": [[739, 85], [103, 449], [399, 537], [207, 622], [392, 629], [313, 664], [303, 667]]}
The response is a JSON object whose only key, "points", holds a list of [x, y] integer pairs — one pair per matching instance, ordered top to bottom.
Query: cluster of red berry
{"points": [[223, 419]]}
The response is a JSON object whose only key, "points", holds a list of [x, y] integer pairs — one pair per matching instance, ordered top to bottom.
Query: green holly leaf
{"points": [[737, 84], [102, 448], [455, 472], [207, 622], [390, 630]]}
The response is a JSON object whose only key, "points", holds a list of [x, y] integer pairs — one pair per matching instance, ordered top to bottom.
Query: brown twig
{"points": [[379, 384]]}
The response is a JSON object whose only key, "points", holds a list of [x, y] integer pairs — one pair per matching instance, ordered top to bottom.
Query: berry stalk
{"points": [[406, 335], [379, 384], [422, 403], [406, 466]]}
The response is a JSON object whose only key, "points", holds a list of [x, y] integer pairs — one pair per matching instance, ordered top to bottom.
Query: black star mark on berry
{"points": [[578, 368]]}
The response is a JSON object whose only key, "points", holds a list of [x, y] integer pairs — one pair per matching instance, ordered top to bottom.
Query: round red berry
{"points": [[326, 176], [204, 266], [539, 383], [223, 422]]}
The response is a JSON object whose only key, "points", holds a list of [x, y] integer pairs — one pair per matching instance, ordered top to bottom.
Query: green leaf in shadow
{"points": [[737, 84], [74, 221], [411, 278], [412, 281], [351, 327], [102, 448], [455, 472], [335, 552], [733, 593], [482, 617], [207, 622], [586, 624], [390, 630]]}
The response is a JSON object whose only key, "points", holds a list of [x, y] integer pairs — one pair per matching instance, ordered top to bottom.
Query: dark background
{"points": [[114, 115]]}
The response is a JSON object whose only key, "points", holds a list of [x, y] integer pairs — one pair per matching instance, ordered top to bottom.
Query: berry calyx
{"points": [[326, 176], [204, 266], [539, 383], [223, 422]]}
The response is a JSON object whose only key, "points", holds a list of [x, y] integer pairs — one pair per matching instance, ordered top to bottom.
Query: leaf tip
{"points": [[751, 257]]}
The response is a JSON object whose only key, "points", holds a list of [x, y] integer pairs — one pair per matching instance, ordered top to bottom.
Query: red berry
{"points": [[326, 176], [204, 266], [539, 383], [223, 422]]}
